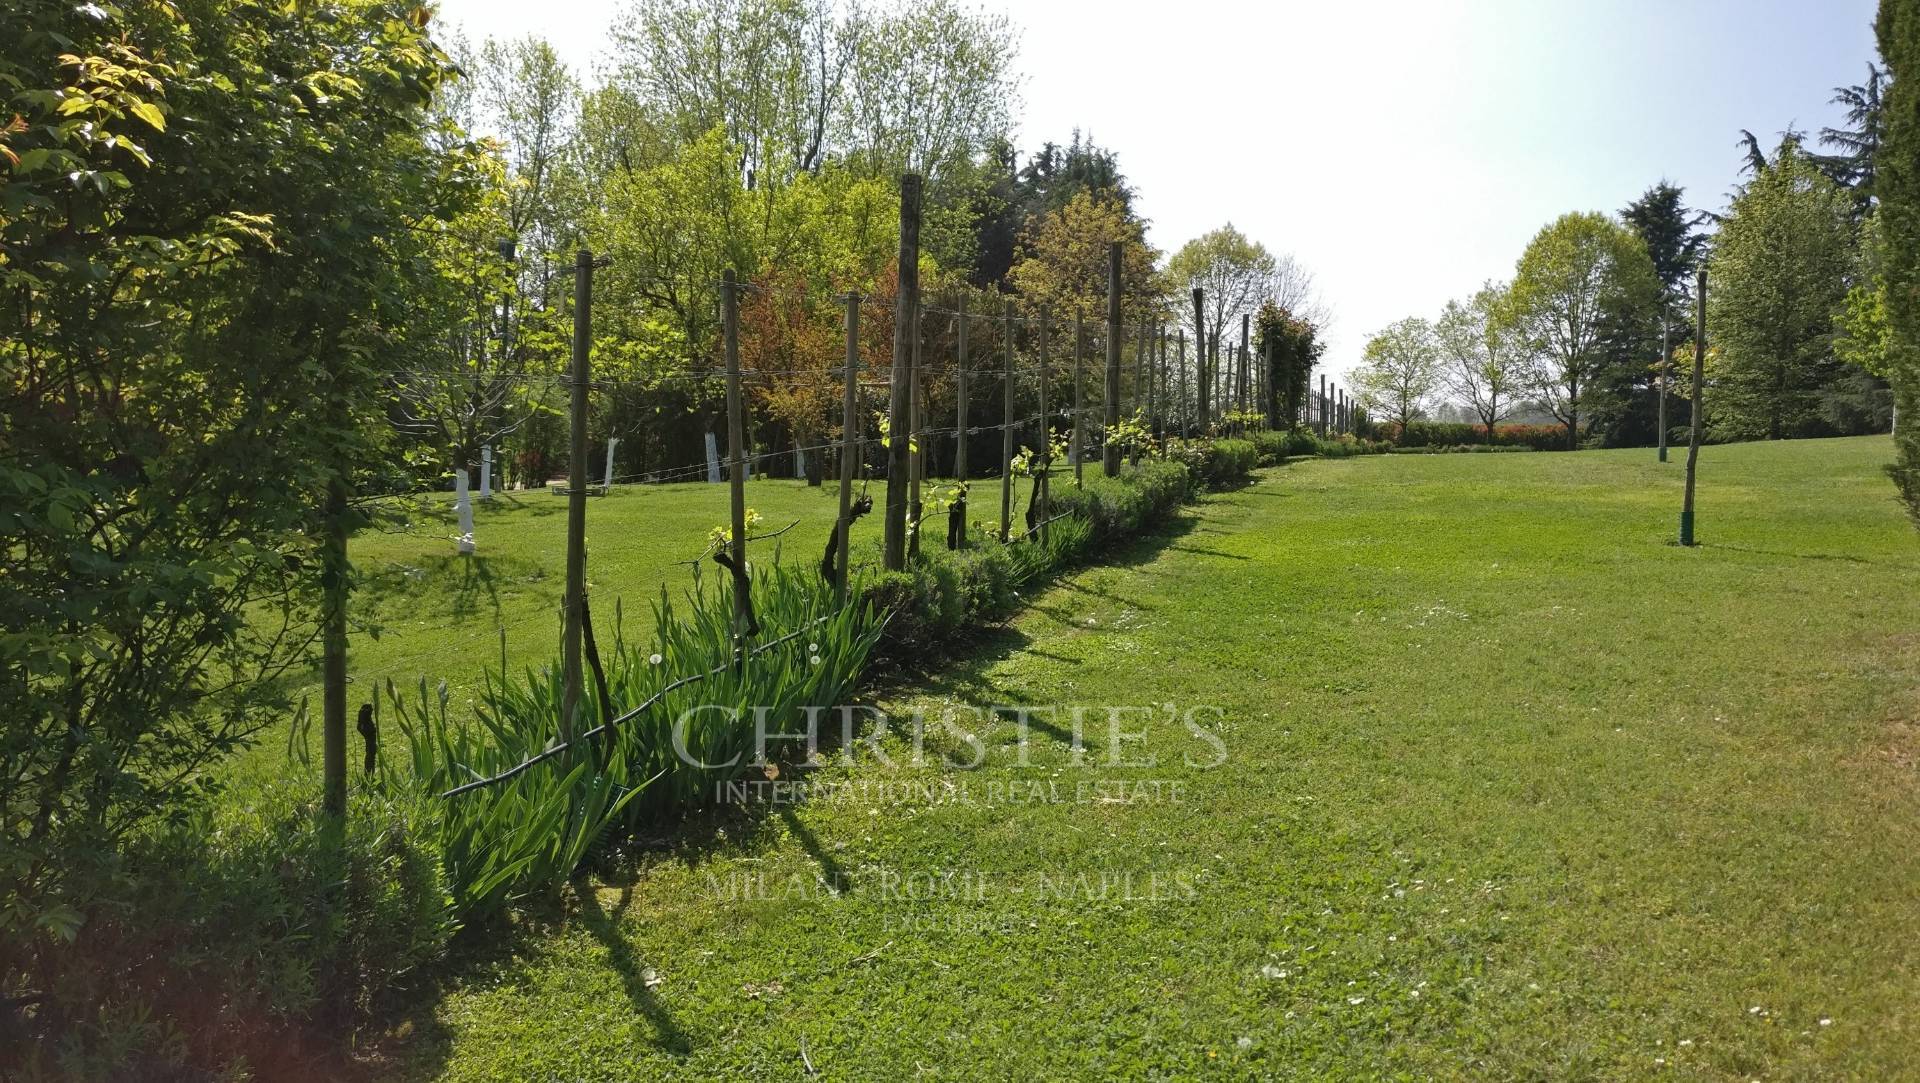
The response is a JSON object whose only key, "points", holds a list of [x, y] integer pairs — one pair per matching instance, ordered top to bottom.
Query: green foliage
{"points": [[1898, 185], [209, 218], [1671, 234], [1780, 269], [1580, 276], [1291, 347], [1482, 354], [1400, 370], [1422, 434], [1275, 448], [1215, 464], [1139, 499], [947, 593], [528, 834], [237, 933]]}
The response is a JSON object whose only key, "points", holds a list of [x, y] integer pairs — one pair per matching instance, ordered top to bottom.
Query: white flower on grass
{"points": [[814, 647], [654, 658], [815, 659], [1356, 1000], [1825, 1022], [1244, 1042], [1686, 1042]]}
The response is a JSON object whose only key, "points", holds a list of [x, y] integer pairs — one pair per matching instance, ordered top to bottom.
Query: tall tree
{"points": [[524, 96], [1852, 166], [1898, 186], [1671, 233], [1063, 256], [1781, 265], [1575, 273], [199, 288], [1291, 347], [1483, 359], [1399, 371], [1624, 405]]}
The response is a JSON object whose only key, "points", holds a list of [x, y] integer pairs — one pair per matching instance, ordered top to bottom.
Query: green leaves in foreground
{"points": [[530, 832]]}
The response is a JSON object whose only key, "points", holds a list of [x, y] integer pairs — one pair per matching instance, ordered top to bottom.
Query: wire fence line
{"points": [[1024, 370]]}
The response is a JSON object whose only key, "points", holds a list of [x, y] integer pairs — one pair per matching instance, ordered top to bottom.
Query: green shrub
{"points": [[1442, 434], [1275, 448], [1216, 464], [1140, 498], [945, 592], [225, 939]]}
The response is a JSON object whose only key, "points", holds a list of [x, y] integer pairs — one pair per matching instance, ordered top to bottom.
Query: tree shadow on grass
{"points": [[1843, 558], [832, 873], [633, 975]]}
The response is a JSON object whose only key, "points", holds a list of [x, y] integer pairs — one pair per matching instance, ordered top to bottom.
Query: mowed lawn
{"points": [[1500, 784]]}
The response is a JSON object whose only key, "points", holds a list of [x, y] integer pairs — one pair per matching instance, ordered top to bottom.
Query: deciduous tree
{"points": [[1575, 272], [1483, 360], [1399, 371]]}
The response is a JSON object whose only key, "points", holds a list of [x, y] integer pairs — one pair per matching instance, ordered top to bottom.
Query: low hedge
{"points": [[1421, 434], [1276, 447], [1459, 449], [1216, 464], [945, 592], [253, 934]]}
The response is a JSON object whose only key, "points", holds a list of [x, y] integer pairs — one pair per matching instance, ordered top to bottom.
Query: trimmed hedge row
{"points": [[1453, 433], [1277, 446], [948, 592]]}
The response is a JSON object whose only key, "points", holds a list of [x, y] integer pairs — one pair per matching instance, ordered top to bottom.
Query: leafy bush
{"points": [[1422, 434], [1276, 447], [1458, 449], [1216, 464], [1139, 498], [947, 592], [228, 937]]}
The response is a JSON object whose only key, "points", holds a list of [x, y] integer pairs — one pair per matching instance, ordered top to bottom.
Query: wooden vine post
{"points": [[1200, 353], [1155, 365], [1666, 375], [1240, 377], [960, 391], [900, 403], [1179, 404], [1006, 433], [849, 445], [1110, 449], [1077, 453], [916, 454], [1044, 454], [737, 457], [576, 590]]}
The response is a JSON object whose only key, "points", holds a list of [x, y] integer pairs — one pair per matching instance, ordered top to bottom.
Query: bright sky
{"points": [[1404, 151]]}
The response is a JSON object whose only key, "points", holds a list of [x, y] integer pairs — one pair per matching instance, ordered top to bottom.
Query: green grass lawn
{"points": [[1506, 786]]}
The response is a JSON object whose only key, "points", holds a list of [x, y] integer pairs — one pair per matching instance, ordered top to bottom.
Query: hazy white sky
{"points": [[1404, 151]]}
